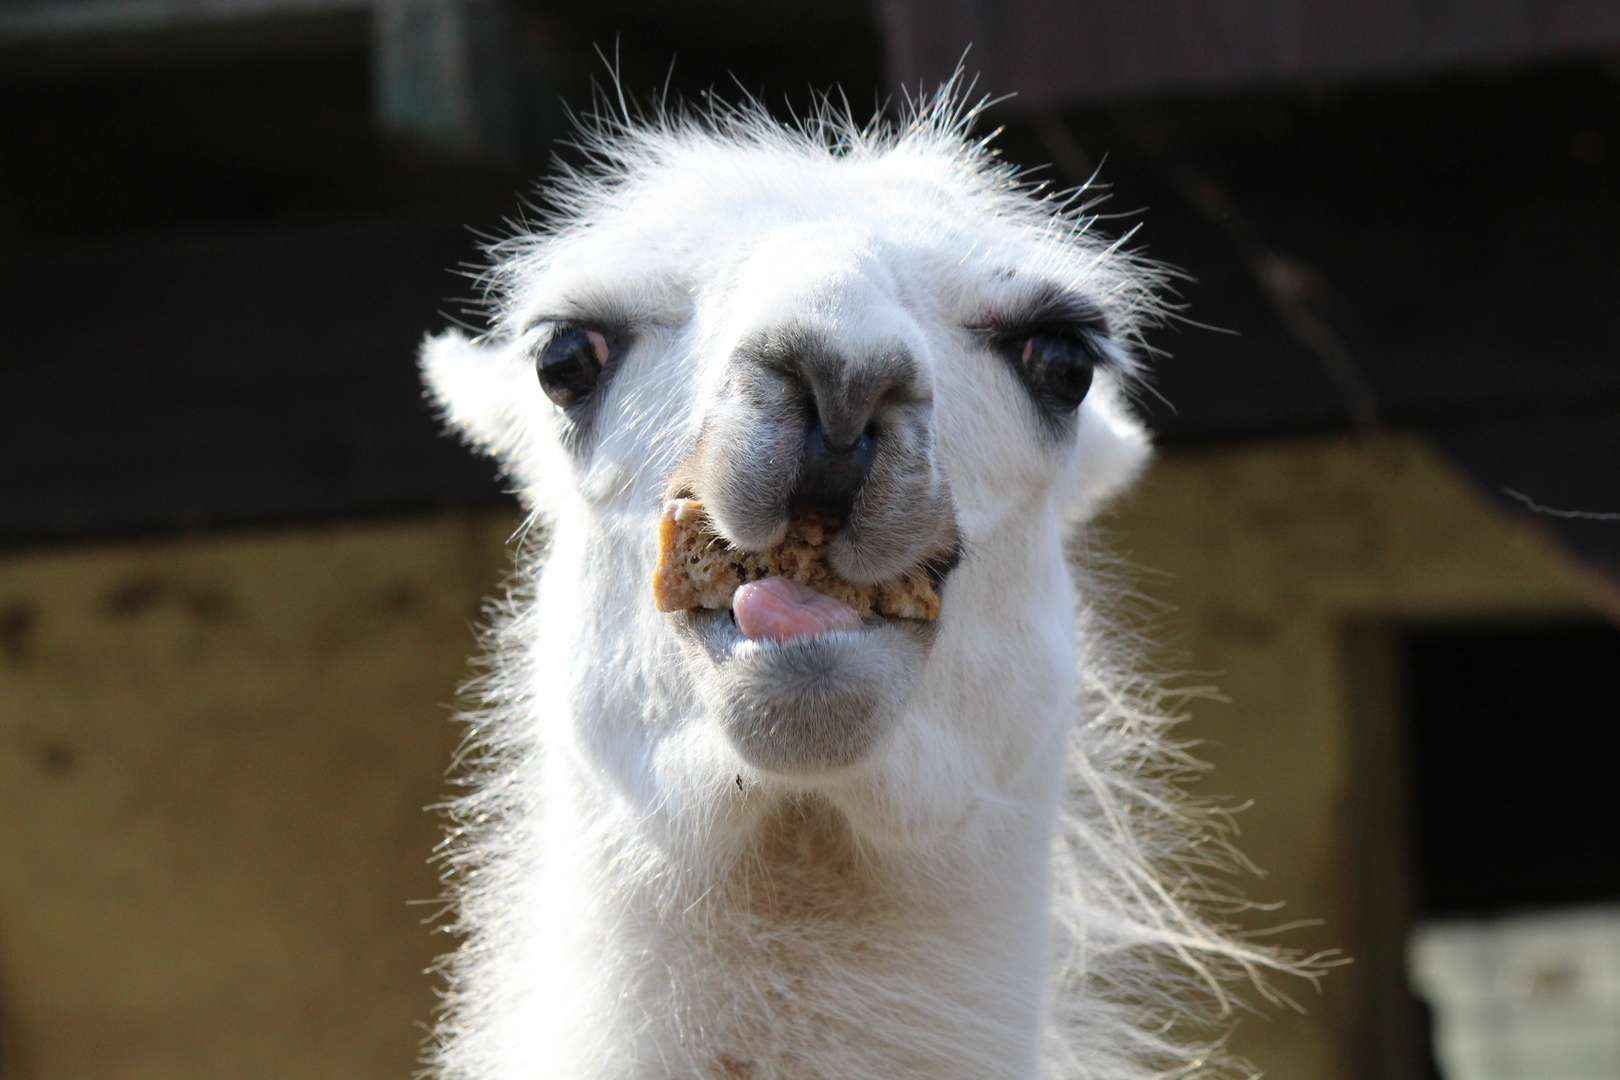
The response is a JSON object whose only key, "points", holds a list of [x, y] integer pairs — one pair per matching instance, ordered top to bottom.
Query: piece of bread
{"points": [[697, 569]]}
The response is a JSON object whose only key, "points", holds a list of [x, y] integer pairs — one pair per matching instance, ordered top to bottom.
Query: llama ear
{"points": [[481, 391]]}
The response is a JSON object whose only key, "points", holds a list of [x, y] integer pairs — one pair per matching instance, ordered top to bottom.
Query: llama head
{"points": [[883, 324]]}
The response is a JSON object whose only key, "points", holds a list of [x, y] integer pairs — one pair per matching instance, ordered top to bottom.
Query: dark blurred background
{"points": [[238, 560]]}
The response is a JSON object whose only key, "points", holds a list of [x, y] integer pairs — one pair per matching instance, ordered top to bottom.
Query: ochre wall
{"points": [[1269, 554], [215, 751], [214, 759]]}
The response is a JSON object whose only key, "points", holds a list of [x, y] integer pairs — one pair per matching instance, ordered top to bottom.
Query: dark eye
{"points": [[570, 365], [1059, 366]]}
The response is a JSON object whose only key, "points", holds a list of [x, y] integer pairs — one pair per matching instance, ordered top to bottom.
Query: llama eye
{"points": [[570, 365], [1059, 367]]}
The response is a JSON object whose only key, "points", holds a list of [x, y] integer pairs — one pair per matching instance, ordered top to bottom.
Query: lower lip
{"points": [[718, 632], [758, 644]]}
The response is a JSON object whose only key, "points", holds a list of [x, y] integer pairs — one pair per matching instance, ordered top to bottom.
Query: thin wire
{"points": [[1576, 515]]}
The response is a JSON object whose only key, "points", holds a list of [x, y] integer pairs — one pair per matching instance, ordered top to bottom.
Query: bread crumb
{"points": [[698, 569]]}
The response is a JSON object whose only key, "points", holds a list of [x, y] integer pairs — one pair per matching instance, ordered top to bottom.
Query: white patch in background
{"points": [[1528, 997]]}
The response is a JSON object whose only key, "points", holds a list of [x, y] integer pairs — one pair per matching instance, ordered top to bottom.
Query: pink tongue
{"points": [[778, 609]]}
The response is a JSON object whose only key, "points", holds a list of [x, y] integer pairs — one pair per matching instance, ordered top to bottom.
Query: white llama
{"points": [[832, 848]]}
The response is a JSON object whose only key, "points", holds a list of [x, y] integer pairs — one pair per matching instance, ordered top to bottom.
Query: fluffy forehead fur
{"points": [[607, 809]]}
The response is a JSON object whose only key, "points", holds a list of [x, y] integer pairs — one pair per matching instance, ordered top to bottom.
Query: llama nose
{"points": [[831, 473]]}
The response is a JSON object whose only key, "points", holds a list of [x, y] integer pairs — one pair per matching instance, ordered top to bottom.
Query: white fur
{"points": [[1008, 886]]}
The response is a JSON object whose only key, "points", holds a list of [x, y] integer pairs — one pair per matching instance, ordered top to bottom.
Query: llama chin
{"points": [[813, 704], [888, 848]]}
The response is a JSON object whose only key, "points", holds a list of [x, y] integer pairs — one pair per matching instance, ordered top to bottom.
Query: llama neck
{"points": [[800, 946]]}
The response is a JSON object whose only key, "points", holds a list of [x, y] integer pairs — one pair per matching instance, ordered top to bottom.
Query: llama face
{"points": [[893, 336], [855, 849]]}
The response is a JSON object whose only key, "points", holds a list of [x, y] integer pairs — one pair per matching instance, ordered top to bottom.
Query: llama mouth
{"points": [[780, 609], [777, 612]]}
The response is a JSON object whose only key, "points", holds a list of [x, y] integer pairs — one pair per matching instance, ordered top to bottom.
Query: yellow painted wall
{"points": [[1270, 553], [215, 751], [214, 758]]}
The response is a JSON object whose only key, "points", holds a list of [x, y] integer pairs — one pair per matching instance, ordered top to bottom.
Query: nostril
{"points": [[864, 450], [830, 475]]}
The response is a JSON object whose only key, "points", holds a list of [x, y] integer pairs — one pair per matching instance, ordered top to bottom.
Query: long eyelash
{"points": [[1049, 311], [607, 315]]}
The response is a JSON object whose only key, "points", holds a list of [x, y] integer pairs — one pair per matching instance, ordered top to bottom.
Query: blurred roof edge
{"points": [[1061, 53]]}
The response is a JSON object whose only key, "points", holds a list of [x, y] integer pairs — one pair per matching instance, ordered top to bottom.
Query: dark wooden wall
{"points": [[1432, 255]]}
